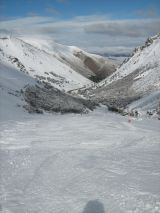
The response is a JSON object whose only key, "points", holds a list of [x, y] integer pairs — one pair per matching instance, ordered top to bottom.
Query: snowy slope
{"points": [[63, 53], [145, 63], [40, 64], [89, 65], [137, 78], [11, 82], [20, 93], [149, 102], [64, 164]]}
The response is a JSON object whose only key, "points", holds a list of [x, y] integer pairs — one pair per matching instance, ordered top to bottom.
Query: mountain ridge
{"points": [[136, 78], [134, 85]]}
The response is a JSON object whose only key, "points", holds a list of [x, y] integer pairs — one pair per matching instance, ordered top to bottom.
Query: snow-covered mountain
{"points": [[27, 60], [40, 64], [144, 64], [88, 65], [64, 67], [138, 77], [135, 83], [20, 93], [97, 162]]}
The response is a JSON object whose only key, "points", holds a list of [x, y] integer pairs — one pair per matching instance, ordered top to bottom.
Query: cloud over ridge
{"points": [[95, 33]]}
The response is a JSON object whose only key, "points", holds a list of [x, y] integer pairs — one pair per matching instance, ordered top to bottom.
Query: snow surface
{"points": [[58, 164]]}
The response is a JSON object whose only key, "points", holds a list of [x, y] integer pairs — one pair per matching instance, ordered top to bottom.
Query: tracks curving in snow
{"points": [[60, 163]]}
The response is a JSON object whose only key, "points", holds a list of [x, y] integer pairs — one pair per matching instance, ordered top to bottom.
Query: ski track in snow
{"points": [[57, 164]]}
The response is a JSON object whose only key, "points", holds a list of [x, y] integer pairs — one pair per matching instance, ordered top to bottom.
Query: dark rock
{"points": [[50, 99]]}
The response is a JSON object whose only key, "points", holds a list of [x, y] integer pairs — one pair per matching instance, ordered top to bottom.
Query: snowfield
{"points": [[94, 163]]}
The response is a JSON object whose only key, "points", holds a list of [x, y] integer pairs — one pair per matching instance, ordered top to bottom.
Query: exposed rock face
{"points": [[101, 67], [117, 94], [52, 100]]}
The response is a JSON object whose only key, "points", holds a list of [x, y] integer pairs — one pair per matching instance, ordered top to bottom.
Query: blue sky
{"points": [[65, 9], [101, 26]]}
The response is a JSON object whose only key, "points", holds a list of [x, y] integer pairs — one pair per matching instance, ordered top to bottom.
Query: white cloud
{"points": [[129, 28], [93, 33]]}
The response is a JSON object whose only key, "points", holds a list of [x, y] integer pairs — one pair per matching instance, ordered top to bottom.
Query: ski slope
{"points": [[95, 163]]}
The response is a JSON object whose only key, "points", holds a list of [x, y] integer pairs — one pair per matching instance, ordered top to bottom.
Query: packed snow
{"points": [[96, 163]]}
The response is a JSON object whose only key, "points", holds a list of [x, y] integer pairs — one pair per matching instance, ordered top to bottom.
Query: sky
{"points": [[101, 26]]}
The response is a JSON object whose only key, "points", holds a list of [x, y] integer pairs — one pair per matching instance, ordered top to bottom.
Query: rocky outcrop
{"points": [[101, 67], [49, 99]]}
